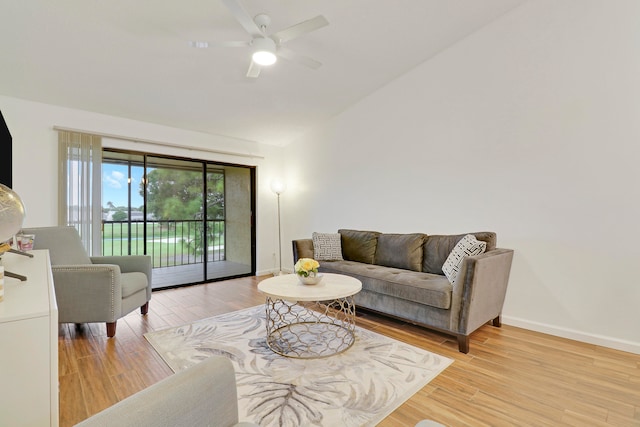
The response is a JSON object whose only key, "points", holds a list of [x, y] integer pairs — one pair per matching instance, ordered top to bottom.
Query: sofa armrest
{"points": [[302, 248], [127, 263], [483, 287], [87, 293], [202, 395]]}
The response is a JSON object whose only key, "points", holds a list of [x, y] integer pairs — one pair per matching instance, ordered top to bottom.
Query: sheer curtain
{"points": [[79, 204]]}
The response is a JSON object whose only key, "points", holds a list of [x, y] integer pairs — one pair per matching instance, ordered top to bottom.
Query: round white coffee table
{"points": [[310, 321]]}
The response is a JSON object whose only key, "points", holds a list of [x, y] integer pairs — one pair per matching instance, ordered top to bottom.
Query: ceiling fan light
{"points": [[264, 51], [264, 58]]}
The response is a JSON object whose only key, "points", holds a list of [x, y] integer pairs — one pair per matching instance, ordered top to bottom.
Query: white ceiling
{"points": [[132, 59]]}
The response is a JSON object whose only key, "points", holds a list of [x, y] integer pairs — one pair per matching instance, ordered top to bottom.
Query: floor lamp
{"points": [[278, 187]]}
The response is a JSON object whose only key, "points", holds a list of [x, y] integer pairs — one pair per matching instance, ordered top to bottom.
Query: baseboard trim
{"points": [[272, 272], [601, 340]]}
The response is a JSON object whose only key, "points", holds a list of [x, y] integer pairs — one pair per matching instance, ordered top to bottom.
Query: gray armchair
{"points": [[93, 289], [203, 395]]}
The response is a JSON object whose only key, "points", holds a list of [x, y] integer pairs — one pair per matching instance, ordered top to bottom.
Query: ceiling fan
{"points": [[267, 47]]}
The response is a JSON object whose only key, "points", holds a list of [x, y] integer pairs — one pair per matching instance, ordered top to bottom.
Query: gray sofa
{"points": [[402, 276]]}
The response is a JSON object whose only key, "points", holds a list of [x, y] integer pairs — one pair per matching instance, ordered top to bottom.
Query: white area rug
{"points": [[359, 387]]}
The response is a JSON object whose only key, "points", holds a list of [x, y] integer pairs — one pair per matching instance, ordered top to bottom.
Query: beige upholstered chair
{"points": [[93, 289], [203, 395]]}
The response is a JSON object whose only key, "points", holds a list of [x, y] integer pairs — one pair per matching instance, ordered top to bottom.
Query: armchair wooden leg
{"points": [[145, 308], [497, 322], [111, 329], [463, 343]]}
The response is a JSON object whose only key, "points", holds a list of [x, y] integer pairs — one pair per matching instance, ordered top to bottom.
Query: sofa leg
{"points": [[145, 308], [497, 322], [111, 329], [463, 343]]}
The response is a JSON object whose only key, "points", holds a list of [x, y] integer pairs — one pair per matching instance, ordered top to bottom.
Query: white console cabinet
{"points": [[28, 343]]}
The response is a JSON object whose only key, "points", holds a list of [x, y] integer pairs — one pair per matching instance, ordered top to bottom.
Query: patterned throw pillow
{"points": [[467, 246], [327, 247]]}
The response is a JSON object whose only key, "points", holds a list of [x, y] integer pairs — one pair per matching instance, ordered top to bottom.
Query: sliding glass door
{"points": [[195, 218]]}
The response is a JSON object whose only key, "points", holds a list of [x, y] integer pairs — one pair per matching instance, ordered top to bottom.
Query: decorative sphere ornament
{"points": [[11, 213]]}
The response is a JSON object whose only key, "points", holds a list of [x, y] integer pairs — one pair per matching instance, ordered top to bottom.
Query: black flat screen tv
{"points": [[5, 153]]}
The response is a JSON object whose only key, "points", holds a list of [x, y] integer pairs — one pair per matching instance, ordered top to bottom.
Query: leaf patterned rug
{"points": [[358, 387]]}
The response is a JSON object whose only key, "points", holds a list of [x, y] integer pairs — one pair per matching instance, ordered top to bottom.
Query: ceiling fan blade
{"points": [[243, 17], [299, 29], [199, 44], [204, 45], [300, 59], [254, 70]]}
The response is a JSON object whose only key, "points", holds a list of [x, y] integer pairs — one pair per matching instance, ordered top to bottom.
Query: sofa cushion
{"points": [[359, 245], [327, 246], [467, 246], [438, 247], [400, 251], [429, 289]]}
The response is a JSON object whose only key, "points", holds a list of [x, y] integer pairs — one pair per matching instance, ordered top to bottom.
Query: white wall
{"points": [[530, 128], [35, 154]]}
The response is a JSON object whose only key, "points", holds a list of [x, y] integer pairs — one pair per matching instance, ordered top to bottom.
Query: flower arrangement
{"points": [[306, 266]]}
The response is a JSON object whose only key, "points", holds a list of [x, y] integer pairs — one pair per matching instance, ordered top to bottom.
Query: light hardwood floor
{"points": [[510, 377]]}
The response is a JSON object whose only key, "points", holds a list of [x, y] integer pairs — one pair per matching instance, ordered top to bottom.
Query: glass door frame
{"points": [[206, 166]]}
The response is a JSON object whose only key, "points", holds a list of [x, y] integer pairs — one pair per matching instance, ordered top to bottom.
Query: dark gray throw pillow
{"points": [[359, 246], [438, 247], [400, 251]]}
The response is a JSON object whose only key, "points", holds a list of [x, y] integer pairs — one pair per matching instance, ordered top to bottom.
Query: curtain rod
{"points": [[163, 144]]}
